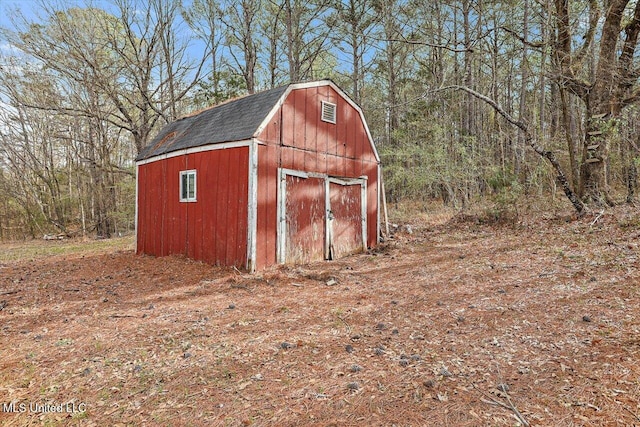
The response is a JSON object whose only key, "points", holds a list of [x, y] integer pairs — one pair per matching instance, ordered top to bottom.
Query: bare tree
{"points": [[204, 17], [240, 19], [355, 23], [272, 28], [306, 32], [146, 49], [394, 49], [108, 74], [611, 86], [29, 144], [546, 154]]}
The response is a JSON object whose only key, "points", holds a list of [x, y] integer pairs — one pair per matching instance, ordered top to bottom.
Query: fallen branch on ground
{"points": [[509, 405]]}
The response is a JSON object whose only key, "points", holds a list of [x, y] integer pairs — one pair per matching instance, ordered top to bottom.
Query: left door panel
{"points": [[305, 219]]}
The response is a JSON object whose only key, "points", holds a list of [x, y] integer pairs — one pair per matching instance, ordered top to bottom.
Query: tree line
{"points": [[465, 99]]}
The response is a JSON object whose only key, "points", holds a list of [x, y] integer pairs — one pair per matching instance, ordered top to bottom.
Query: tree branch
{"points": [[594, 17], [420, 43], [535, 45], [574, 85], [632, 98], [523, 126]]}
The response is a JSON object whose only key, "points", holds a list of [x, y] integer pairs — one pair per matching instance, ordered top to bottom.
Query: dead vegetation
{"points": [[452, 322]]}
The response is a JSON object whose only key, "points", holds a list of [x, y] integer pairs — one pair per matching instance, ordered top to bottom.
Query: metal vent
{"points": [[328, 112]]}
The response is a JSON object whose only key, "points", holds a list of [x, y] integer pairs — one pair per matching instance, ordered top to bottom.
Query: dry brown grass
{"points": [[440, 327]]}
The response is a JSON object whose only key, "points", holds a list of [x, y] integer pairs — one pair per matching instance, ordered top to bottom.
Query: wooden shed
{"points": [[283, 176]]}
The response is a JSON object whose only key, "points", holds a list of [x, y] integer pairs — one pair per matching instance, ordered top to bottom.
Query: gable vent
{"points": [[328, 112]]}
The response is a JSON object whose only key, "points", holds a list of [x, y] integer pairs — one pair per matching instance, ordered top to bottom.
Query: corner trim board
{"points": [[136, 207], [252, 220]]}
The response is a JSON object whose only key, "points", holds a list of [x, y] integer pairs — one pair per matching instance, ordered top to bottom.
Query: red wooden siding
{"points": [[303, 129], [295, 138], [174, 214], [305, 219], [346, 225], [212, 229], [266, 233]]}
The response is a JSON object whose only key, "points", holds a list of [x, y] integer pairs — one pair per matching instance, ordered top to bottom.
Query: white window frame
{"points": [[334, 107], [186, 197]]}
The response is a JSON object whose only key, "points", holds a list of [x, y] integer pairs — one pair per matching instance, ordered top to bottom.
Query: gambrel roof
{"points": [[234, 120]]}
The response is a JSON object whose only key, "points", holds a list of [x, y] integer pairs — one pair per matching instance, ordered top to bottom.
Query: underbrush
{"points": [[501, 209]]}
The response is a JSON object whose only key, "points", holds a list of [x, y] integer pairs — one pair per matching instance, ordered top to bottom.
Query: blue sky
{"points": [[8, 6], [31, 10]]}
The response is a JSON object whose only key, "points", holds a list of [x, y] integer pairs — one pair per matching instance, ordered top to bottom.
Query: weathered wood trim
{"points": [[210, 147], [299, 174], [345, 181], [362, 181], [380, 197], [281, 200], [136, 207], [363, 209], [252, 210], [328, 221], [281, 229]]}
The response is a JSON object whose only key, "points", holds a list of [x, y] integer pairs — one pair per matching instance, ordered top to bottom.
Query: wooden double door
{"points": [[320, 217]]}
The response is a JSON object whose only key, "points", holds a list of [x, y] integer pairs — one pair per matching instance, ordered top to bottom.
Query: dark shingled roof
{"points": [[235, 120]]}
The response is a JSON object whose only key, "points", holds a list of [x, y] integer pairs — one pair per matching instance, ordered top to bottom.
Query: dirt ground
{"points": [[453, 322]]}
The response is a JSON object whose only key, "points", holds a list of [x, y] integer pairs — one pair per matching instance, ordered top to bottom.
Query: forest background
{"points": [[468, 101]]}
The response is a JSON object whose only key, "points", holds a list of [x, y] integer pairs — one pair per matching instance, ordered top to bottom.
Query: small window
{"points": [[328, 112], [188, 186]]}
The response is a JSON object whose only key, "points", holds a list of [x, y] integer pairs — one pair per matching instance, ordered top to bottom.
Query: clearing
{"points": [[452, 322]]}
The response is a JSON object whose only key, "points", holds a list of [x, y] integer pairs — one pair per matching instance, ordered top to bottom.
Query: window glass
{"points": [[188, 186]]}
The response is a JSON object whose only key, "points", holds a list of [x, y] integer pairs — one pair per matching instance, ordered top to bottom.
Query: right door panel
{"points": [[345, 219]]}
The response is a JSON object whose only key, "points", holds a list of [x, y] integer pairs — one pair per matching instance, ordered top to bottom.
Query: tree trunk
{"points": [[391, 33], [293, 53], [612, 85], [601, 107], [522, 108], [468, 121], [571, 136], [631, 152], [595, 157]]}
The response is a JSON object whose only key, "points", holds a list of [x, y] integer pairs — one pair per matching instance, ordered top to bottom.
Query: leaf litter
{"points": [[456, 322]]}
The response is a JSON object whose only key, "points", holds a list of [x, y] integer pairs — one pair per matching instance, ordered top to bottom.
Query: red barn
{"points": [[286, 175]]}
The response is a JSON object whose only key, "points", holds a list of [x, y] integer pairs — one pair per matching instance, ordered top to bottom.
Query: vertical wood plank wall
{"points": [[297, 139], [305, 219], [347, 228], [212, 229]]}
